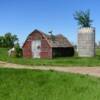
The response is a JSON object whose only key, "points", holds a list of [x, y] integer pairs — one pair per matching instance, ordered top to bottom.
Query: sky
{"points": [[21, 17]]}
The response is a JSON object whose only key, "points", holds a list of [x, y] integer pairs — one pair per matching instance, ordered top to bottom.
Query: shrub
{"points": [[18, 50]]}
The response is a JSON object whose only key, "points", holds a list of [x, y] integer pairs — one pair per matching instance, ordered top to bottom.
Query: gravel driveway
{"points": [[94, 71]]}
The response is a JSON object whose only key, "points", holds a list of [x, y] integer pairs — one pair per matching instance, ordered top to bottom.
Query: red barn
{"points": [[41, 45]]}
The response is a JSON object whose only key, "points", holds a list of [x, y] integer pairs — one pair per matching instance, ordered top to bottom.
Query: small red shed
{"points": [[41, 45]]}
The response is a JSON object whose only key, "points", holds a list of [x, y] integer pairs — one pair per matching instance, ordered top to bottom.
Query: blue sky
{"points": [[21, 17]]}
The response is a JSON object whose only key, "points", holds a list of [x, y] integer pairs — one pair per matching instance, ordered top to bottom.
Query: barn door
{"points": [[36, 48]]}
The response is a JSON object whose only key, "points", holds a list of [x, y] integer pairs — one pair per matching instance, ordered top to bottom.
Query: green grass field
{"points": [[68, 61], [47, 85]]}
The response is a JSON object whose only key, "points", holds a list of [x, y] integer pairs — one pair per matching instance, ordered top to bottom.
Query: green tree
{"points": [[83, 18], [9, 40], [1, 41]]}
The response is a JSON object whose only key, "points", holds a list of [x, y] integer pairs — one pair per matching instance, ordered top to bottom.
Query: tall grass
{"points": [[46, 85]]}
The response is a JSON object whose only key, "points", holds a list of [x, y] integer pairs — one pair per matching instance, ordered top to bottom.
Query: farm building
{"points": [[41, 45]]}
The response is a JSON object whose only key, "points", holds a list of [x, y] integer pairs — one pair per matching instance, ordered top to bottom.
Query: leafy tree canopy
{"points": [[83, 18], [8, 40]]}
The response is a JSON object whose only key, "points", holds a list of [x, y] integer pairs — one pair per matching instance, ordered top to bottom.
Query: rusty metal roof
{"points": [[58, 41]]}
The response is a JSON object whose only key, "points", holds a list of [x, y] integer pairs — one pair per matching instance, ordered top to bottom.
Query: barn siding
{"points": [[46, 51]]}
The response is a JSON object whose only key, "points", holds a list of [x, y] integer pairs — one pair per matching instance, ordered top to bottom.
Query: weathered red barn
{"points": [[41, 45]]}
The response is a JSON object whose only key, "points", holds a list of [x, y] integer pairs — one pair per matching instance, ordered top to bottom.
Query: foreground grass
{"points": [[68, 61], [47, 85]]}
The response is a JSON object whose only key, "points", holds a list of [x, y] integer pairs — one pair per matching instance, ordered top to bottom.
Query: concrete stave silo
{"points": [[86, 42]]}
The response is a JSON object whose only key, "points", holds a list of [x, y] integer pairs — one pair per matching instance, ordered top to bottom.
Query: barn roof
{"points": [[54, 40], [58, 41]]}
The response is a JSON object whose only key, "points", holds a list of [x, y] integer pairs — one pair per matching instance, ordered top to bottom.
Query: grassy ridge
{"points": [[68, 61], [47, 85]]}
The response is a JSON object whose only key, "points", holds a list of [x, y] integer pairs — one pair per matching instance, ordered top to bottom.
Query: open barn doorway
{"points": [[62, 52]]}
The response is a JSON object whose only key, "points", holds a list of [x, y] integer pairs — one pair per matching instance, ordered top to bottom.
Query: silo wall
{"points": [[86, 42]]}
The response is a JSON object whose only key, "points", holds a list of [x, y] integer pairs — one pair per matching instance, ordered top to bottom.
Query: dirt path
{"points": [[94, 71]]}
